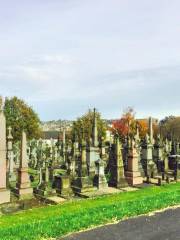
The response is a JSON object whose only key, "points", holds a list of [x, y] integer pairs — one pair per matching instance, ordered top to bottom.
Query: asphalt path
{"points": [[161, 226]]}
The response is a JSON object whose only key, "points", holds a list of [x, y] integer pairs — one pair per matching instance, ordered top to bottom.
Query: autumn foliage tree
{"points": [[20, 116], [126, 125], [143, 127]]}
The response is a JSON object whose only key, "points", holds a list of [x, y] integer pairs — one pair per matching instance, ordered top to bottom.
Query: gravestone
{"points": [[93, 152], [166, 153], [158, 154], [147, 157], [11, 174], [133, 175], [100, 179], [118, 179], [83, 183], [23, 186], [63, 186], [44, 188], [4, 193]]}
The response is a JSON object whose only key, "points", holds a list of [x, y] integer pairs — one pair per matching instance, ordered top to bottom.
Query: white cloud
{"points": [[75, 54]]}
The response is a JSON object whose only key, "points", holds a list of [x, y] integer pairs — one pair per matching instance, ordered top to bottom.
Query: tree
{"points": [[20, 116], [126, 125], [83, 126], [143, 127], [170, 127]]}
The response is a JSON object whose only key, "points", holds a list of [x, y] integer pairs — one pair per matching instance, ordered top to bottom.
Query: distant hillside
{"points": [[67, 124], [56, 125]]}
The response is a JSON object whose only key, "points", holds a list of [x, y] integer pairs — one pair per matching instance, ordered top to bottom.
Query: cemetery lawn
{"points": [[58, 220]]}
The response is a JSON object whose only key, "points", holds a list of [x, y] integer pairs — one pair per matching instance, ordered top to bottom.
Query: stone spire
{"points": [[151, 130], [95, 131], [64, 136], [64, 144], [2, 150], [24, 159], [121, 181], [4, 193]]}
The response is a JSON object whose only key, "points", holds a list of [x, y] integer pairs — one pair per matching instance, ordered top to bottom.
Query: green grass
{"points": [[56, 221]]}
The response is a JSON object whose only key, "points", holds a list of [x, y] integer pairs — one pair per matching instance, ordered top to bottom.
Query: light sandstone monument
{"points": [[133, 174], [23, 186], [4, 193]]}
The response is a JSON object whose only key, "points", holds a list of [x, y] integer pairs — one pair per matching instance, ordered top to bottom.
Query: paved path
{"points": [[161, 226]]}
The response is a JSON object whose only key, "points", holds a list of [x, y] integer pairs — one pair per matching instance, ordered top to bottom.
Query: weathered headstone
{"points": [[158, 154], [147, 158], [117, 167], [133, 175], [101, 181], [83, 182], [23, 186], [63, 186]]}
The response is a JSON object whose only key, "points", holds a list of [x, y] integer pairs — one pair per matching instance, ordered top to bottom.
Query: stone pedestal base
{"points": [[12, 177], [134, 178], [118, 180], [100, 182], [122, 183], [83, 184], [45, 189], [65, 189], [45, 192], [24, 193], [4, 196]]}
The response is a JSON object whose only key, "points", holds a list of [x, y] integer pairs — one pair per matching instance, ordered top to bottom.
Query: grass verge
{"points": [[56, 221]]}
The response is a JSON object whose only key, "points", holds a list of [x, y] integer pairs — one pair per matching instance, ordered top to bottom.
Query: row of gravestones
{"points": [[86, 166]]}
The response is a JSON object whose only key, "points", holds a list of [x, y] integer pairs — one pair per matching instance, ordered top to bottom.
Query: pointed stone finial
{"points": [[151, 129], [95, 131], [64, 135], [24, 159]]}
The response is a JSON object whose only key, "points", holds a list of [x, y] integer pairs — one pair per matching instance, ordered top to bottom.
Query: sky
{"points": [[66, 56]]}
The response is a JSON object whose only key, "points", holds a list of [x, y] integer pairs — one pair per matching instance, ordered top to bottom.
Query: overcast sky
{"points": [[66, 56]]}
